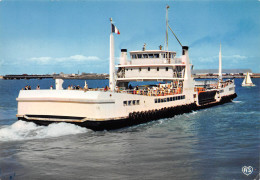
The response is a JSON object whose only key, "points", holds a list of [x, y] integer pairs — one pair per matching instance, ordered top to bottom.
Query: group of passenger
{"points": [[27, 87], [71, 87], [78, 87], [159, 90]]}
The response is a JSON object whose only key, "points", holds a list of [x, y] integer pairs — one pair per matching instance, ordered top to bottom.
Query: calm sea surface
{"points": [[214, 143]]}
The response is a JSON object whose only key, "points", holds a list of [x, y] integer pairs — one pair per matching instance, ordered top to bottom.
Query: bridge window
{"points": [[145, 55], [150, 55], [156, 55], [163, 55], [134, 56], [139, 56]]}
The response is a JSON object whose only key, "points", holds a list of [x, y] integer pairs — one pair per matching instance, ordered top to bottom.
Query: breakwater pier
{"points": [[25, 76], [56, 76], [106, 76]]}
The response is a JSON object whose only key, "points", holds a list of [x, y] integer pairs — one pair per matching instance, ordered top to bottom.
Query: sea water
{"points": [[214, 143]]}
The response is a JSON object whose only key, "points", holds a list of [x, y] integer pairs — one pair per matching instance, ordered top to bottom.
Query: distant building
{"points": [[224, 71]]}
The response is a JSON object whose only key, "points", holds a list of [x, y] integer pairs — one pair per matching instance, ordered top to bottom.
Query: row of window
{"points": [[142, 56], [149, 69], [162, 100], [131, 102]]}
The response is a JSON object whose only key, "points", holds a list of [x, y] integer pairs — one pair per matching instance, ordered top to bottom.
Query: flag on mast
{"points": [[114, 29]]}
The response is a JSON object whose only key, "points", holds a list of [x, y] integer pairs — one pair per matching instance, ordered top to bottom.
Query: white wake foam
{"points": [[236, 101], [22, 130]]}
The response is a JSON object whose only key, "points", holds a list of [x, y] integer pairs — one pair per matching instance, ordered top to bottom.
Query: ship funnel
{"points": [[185, 50], [123, 57], [186, 61], [188, 83]]}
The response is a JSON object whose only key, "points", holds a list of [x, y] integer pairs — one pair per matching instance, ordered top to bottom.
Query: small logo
{"points": [[247, 170]]}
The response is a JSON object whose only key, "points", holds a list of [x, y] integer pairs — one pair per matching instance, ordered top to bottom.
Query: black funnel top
{"points": [[184, 48]]}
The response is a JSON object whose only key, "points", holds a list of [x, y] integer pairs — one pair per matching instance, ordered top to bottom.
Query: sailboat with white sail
{"points": [[247, 80]]}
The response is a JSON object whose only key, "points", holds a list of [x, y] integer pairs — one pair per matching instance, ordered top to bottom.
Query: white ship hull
{"points": [[100, 110]]}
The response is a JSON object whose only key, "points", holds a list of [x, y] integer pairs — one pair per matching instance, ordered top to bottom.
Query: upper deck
{"points": [[152, 58], [150, 65]]}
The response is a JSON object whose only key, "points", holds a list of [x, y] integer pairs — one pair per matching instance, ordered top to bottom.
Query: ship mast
{"points": [[167, 7], [112, 61], [220, 65]]}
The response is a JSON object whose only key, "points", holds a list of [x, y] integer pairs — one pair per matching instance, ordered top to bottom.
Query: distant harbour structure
{"points": [[224, 71], [197, 73]]}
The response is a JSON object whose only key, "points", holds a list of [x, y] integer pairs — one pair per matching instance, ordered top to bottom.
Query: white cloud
{"points": [[235, 57], [77, 58], [83, 58], [215, 58], [41, 59], [207, 59]]}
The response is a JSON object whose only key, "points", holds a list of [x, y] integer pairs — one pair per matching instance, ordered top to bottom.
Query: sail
{"points": [[248, 79], [244, 82]]}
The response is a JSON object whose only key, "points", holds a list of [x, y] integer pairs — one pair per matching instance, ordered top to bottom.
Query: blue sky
{"points": [[41, 36]]}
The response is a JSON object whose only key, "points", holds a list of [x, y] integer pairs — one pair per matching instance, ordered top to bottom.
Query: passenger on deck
{"points": [[38, 87], [86, 87], [130, 87], [29, 88], [51, 88], [136, 88], [117, 89]]}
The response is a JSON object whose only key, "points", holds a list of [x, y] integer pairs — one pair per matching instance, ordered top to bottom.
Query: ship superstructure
{"points": [[174, 92]]}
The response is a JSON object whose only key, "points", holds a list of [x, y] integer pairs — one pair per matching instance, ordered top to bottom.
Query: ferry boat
{"points": [[175, 92]]}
